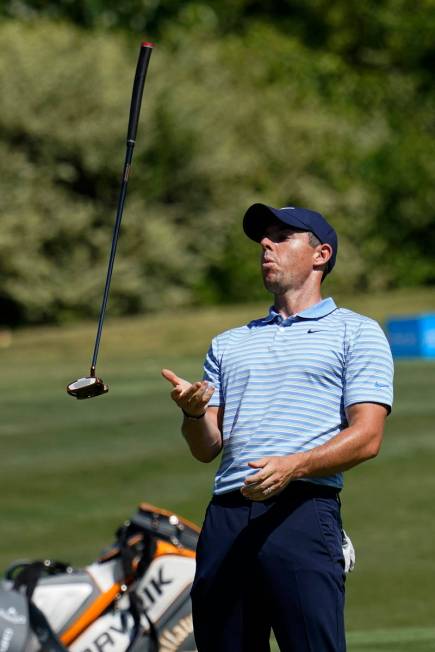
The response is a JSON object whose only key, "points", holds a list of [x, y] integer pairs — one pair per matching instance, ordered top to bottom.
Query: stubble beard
{"points": [[277, 285]]}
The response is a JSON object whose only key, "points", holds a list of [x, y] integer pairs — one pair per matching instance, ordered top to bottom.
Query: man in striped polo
{"points": [[292, 400]]}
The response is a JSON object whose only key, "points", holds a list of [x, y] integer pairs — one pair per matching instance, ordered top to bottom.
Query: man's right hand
{"points": [[193, 398]]}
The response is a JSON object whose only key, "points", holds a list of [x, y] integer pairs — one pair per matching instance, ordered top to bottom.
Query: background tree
{"points": [[327, 105]]}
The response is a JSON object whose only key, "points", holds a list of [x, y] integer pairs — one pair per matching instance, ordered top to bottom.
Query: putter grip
{"points": [[136, 97]]}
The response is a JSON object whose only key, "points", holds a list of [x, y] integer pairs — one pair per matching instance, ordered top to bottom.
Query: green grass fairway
{"points": [[72, 471], [388, 640]]}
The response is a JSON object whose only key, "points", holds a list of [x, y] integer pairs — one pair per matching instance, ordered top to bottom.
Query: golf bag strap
{"points": [[27, 574], [28, 578], [136, 606], [136, 609], [40, 626]]}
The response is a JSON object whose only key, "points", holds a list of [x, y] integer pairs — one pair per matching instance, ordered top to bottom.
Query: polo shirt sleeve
{"points": [[212, 373], [368, 373]]}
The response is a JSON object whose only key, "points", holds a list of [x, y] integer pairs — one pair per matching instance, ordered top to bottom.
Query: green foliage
{"points": [[373, 33], [258, 114], [63, 129]]}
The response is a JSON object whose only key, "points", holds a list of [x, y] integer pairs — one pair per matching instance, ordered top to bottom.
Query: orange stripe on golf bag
{"points": [[148, 507], [165, 548], [91, 614]]}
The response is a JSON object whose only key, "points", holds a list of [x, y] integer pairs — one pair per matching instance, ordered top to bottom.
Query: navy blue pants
{"points": [[273, 564]]}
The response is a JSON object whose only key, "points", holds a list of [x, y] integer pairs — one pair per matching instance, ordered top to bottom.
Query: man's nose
{"points": [[266, 242]]}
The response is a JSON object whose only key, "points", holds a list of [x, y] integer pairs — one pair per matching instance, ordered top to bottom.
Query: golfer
{"points": [[291, 400]]}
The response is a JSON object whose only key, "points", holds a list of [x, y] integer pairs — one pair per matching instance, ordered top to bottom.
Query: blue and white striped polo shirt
{"points": [[285, 383]]}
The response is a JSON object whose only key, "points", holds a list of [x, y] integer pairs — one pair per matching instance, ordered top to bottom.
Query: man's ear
{"points": [[322, 254]]}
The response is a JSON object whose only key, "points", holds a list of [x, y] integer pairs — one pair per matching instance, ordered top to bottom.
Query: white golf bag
{"points": [[134, 598]]}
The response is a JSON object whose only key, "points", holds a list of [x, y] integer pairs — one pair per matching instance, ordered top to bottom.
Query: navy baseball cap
{"points": [[258, 216]]}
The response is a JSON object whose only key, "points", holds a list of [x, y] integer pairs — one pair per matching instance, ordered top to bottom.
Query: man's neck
{"points": [[295, 301]]}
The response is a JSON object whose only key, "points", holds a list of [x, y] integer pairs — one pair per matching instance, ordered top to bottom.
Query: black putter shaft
{"points": [[136, 100]]}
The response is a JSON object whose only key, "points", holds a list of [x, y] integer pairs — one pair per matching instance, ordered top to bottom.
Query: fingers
{"points": [[171, 377], [180, 384], [194, 392], [202, 394], [191, 397], [194, 400], [259, 464], [265, 472], [255, 479], [267, 482], [258, 486], [262, 491]]}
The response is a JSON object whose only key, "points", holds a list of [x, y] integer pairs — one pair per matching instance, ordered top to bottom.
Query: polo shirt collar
{"points": [[321, 309], [317, 311]]}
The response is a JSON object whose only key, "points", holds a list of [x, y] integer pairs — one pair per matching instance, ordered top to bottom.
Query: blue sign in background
{"points": [[412, 336]]}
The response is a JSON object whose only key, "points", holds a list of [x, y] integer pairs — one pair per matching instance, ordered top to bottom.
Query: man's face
{"points": [[287, 257]]}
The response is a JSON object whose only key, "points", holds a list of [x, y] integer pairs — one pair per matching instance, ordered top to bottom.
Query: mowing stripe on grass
{"points": [[397, 635], [366, 639]]}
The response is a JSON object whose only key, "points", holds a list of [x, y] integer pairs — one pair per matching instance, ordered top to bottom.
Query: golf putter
{"points": [[90, 386]]}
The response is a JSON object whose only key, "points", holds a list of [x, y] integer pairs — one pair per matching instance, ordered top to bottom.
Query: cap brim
{"points": [[259, 216]]}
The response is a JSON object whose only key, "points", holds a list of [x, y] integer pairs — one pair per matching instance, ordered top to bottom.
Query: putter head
{"points": [[87, 387]]}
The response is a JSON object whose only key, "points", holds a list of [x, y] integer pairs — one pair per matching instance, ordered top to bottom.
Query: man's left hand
{"points": [[273, 476]]}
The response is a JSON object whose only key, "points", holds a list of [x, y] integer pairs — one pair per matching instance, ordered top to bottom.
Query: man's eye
{"points": [[280, 236]]}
